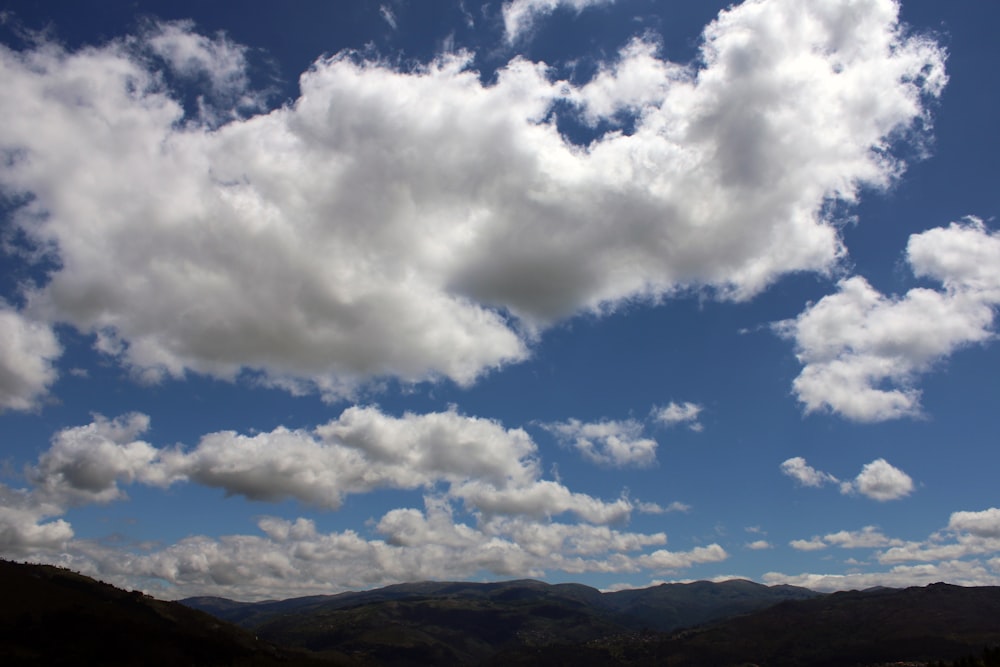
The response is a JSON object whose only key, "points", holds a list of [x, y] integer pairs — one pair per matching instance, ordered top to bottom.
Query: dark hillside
{"points": [[669, 607], [52, 616], [913, 626], [442, 630]]}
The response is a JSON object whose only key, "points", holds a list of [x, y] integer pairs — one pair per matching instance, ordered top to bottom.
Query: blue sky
{"points": [[618, 292]]}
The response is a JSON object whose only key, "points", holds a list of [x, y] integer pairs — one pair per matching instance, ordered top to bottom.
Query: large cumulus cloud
{"points": [[420, 223]]}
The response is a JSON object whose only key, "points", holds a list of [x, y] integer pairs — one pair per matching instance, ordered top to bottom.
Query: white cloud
{"points": [[520, 15], [222, 62], [635, 83], [483, 209], [963, 256], [862, 350], [28, 351], [679, 413], [446, 443], [611, 443], [360, 451], [85, 463], [283, 464], [465, 464], [492, 470], [804, 474], [878, 480], [881, 481], [540, 498], [655, 508], [981, 524], [23, 525], [972, 533], [868, 537], [542, 539], [814, 544], [758, 545], [964, 545], [294, 558], [938, 558], [665, 561], [959, 573]]}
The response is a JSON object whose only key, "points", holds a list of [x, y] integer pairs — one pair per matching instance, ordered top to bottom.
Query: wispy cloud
{"points": [[520, 15], [388, 16], [612, 443], [804, 474], [959, 554]]}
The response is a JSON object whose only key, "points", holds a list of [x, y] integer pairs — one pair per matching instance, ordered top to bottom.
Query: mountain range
{"points": [[53, 616]]}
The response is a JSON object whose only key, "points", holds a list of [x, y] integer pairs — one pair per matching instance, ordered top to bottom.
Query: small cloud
{"points": [[520, 15], [862, 350], [679, 413], [611, 443], [804, 474], [877, 480], [880, 481], [654, 508], [981, 524], [868, 537], [815, 544], [759, 545]]}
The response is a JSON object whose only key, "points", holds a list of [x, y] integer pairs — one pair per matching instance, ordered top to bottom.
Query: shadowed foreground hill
{"points": [[52, 616], [934, 622], [877, 627]]}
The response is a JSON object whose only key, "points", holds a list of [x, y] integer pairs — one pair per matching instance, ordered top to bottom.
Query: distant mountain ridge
{"points": [[661, 608], [52, 616], [456, 623]]}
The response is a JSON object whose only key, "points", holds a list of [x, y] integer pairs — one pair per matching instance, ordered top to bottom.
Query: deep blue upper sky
{"points": [[308, 298]]}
